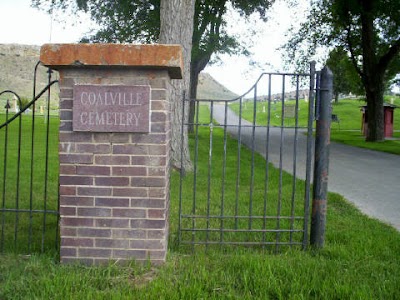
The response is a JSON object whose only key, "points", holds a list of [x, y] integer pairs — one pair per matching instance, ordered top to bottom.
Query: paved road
{"points": [[369, 179]]}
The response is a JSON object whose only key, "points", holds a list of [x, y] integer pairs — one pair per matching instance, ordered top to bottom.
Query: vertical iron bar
{"points": [[317, 95], [311, 97], [253, 138], [295, 144], [196, 158], [32, 164], [238, 164], [321, 166], [181, 170], [209, 172], [46, 173], [18, 174], [31, 181], [266, 181], [3, 205], [279, 206], [221, 238]]}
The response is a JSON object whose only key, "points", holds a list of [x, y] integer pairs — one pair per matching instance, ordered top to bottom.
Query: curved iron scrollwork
{"points": [[34, 99]]}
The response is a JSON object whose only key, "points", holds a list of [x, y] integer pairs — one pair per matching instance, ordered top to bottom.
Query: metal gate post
{"points": [[321, 165]]}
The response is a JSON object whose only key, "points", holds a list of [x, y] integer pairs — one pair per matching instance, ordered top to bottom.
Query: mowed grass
{"points": [[249, 108], [350, 115], [348, 131], [230, 184], [28, 230], [359, 261]]}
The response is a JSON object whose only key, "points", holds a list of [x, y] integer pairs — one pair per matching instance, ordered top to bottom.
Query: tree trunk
{"points": [[176, 27], [196, 67], [373, 76], [374, 93], [336, 97]]}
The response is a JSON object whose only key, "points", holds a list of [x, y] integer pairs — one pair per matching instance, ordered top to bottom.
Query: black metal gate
{"points": [[243, 151], [29, 170]]}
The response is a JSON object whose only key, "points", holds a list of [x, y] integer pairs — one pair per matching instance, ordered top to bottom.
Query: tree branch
{"points": [[352, 52], [389, 56]]}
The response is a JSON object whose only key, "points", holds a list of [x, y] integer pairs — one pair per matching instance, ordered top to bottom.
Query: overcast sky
{"points": [[21, 24]]}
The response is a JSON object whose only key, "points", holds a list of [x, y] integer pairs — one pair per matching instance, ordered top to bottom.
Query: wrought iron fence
{"points": [[29, 171], [242, 193]]}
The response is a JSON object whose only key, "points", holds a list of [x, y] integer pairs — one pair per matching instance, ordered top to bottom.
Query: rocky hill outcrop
{"points": [[17, 63]]}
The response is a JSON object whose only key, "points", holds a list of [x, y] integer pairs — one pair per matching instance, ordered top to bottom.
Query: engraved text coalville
{"points": [[111, 108]]}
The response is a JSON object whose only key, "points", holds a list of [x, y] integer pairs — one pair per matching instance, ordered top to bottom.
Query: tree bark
{"points": [[176, 27], [196, 67], [373, 76], [374, 93], [336, 97]]}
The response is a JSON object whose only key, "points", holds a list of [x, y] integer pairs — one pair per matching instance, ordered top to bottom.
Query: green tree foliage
{"points": [[369, 31], [345, 78], [396, 82], [24, 102]]}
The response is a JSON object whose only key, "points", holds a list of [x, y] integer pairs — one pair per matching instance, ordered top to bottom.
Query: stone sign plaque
{"points": [[111, 108]]}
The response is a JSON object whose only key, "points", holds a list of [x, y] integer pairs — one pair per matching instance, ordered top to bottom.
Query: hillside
{"points": [[17, 63], [209, 88]]}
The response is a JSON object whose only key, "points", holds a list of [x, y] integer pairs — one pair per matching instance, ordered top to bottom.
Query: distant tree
{"points": [[369, 31], [345, 77], [395, 83], [24, 102]]}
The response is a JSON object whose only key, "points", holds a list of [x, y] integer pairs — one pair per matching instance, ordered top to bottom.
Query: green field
{"points": [[247, 109], [350, 115], [350, 127], [347, 131], [230, 191], [24, 230], [359, 261]]}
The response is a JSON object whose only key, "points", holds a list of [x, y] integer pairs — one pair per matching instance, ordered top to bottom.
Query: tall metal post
{"points": [[321, 165]]}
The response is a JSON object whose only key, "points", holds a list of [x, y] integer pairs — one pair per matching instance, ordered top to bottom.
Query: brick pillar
{"points": [[114, 180]]}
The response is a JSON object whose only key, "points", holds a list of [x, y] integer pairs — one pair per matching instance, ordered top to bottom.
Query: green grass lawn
{"points": [[247, 110], [348, 111], [350, 127], [355, 138], [230, 191], [18, 229], [360, 260]]}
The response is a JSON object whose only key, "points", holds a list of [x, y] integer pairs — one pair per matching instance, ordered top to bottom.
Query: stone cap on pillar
{"points": [[156, 56]]}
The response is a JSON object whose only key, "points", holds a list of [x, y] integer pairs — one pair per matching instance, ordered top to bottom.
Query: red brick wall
{"points": [[114, 187]]}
